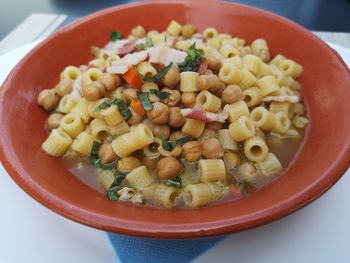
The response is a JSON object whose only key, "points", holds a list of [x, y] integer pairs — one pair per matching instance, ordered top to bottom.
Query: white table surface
{"points": [[30, 232]]}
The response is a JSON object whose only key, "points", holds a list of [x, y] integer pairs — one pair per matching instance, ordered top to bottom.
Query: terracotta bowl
{"points": [[322, 159]]}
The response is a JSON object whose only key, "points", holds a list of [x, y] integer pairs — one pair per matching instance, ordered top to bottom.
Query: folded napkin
{"points": [[151, 250]]}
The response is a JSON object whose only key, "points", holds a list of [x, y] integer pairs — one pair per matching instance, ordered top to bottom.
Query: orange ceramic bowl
{"points": [[322, 159]]}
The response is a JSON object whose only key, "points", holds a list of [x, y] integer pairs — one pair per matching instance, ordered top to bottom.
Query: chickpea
{"points": [[188, 30], [138, 31], [214, 64], [171, 78], [110, 81], [210, 82], [64, 87], [93, 91], [130, 94], [231, 94], [48, 99], [173, 99], [188, 99], [159, 114], [135, 118], [176, 119], [54, 120], [213, 125], [161, 130], [176, 135], [212, 149], [192, 151], [106, 153], [232, 161], [128, 163], [168, 167], [247, 171]]}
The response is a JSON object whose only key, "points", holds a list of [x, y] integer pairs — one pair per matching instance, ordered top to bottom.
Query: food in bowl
{"points": [[177, 118]]}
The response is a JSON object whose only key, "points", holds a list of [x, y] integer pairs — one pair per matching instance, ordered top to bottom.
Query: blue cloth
{"points": [[150, 250]]}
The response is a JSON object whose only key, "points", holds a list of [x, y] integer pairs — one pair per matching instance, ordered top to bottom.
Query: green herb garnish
{"points": [[115, 35], [145, 45], [193, 59], [158, 76], [160, 94], [146, 104], [122, 107], [170, 145], [96, 161], [119, 177], [175, 182], [112, 194]]}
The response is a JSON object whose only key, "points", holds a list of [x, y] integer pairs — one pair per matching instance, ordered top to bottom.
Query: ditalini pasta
{"points": [[177, 117]]}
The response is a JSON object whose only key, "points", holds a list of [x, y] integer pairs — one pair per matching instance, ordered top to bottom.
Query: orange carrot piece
{"points": [[133, 78], [136, 105]]}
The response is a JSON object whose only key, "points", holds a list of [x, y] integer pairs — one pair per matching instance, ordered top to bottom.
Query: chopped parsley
{"points": [[115, 35], [143, 46], [192, 60], [158, 76], [160, 94], [146, 104], [122, 107], [170, 145], [174, 182], [112, 193]]}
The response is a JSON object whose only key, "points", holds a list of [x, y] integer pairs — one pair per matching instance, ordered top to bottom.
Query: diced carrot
{"points": [[133, 78], [136, 105], [235, 190]]}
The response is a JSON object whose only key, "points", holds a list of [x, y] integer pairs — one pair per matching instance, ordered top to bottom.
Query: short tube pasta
{"points": [[174, 28], [210, 32], [228, 51], [277, 60], [252, 63], [290, 68], [146, 69], [71, 73], [230, 74], [248, 79], [188, 81], [268, 84], [252, 96], [208, 101], [67, 103], [285, 107], [81, 109], [236, 110], [112, 116], [262, 118], [282, 123], [72, 124], [99, 128], [194, 128], [119, 129], [242, 129], [138, 138], [227, 142], [57, 143], [83, 144], [255, 149], [270, 165], [212, 170], [139, 178], [201, 194], [166, 195]]}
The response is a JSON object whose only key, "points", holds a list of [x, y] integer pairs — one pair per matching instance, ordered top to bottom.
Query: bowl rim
{"points": [[277, 211]]}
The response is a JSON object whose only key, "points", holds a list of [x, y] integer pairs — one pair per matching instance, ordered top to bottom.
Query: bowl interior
{"points": [[321, 160]]}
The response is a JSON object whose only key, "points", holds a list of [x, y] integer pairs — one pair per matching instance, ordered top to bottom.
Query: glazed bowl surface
{"points": [[322, 159]]}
